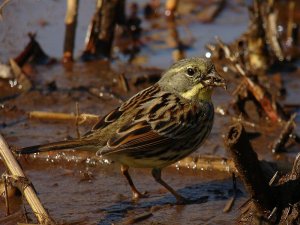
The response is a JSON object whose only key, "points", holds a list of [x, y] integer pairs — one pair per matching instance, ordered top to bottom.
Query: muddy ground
{"points": [[78, 190]]}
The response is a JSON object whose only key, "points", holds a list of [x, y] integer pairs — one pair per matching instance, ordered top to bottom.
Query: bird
{"points": [[158, 126]]}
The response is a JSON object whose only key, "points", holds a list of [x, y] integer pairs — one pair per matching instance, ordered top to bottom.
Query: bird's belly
{"points": [[158, 161], [140, 162]]}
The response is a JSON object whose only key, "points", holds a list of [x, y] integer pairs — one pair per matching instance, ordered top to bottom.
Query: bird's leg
{"points": [[156, 173], [135, 193]]}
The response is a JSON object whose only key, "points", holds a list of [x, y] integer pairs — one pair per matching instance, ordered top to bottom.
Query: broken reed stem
{"points": [[107, 27], [70, 33], [100, 34], [53, 116], [248, 166], [15, 169]]}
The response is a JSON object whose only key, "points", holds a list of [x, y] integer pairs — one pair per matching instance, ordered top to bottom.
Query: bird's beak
{"points": [[216, 80]]}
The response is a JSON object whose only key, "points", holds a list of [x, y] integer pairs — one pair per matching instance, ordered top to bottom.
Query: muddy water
{"points": [[76, 190], [71, 195]]}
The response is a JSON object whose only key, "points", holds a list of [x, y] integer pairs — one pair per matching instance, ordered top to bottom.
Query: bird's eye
{"points": [[190, 71]]}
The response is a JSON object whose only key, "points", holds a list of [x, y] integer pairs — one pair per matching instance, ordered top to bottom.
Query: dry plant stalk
{"points": [[71, 23], [100, 35], [54, 116], [15, 170]]}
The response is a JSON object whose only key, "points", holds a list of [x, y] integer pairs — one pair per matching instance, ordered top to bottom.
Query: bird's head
{"points": [[192, 78]]}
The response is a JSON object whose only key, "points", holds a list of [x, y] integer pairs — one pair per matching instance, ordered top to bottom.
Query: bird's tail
{"points": [[61, 145]]}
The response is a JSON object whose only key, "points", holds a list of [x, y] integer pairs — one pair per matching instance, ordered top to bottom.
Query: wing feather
{"points": [[164, 121]]}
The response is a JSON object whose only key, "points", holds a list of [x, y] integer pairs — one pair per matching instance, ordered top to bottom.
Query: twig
{"points": [[123, 82], [53, 116], [77, 121], [279, 143], [15, 169], [295, 174], [273, 179], [6, 196]]}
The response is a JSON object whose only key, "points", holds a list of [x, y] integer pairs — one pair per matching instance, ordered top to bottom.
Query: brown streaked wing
{"points": [[138, 99], [108, 119], [151, 135], [141, 139]]}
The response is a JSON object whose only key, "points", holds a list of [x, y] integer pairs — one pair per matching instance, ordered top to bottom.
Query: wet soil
{"points": [[76, 188]]}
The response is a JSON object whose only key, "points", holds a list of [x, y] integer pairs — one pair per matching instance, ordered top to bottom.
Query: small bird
{"points": [[158, 126]]}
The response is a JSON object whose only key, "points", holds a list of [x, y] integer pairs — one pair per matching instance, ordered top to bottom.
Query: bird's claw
{"points": [[138, 195]]}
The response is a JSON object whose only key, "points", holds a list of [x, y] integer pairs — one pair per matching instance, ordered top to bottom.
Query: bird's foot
{"points": [[138, 195]]}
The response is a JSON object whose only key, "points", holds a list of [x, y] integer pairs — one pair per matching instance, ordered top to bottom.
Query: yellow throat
{"points": [[198, 92]]}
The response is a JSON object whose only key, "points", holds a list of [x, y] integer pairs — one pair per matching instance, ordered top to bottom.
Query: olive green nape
{"points": [[202, 63]]}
